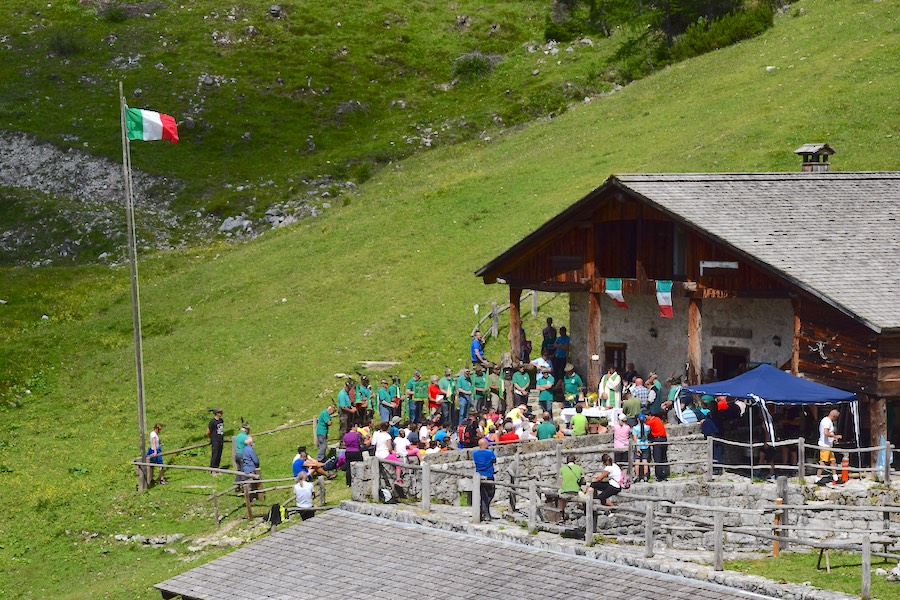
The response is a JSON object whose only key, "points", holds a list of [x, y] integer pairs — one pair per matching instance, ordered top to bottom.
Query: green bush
{"points": [[115, 13], [562, 32], [702, 37], [65, 43], [474, 65]]}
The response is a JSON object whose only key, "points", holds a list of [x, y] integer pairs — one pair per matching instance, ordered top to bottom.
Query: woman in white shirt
{"points": [[381, 439], [401, 445], [608, 482], [304, 492]]}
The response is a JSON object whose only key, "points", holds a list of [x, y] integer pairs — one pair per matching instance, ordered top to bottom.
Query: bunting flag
{"points": [[147, 125], [614, 290], [664, 297]]}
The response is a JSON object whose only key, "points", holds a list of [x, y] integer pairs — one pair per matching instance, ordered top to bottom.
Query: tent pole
{"points": [[750, 410]]}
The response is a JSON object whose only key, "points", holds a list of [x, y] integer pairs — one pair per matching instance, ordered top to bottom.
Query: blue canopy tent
{"points": [[765, 383]]}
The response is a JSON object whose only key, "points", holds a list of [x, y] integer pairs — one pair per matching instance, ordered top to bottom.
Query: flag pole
{"points": [[135, 299]]}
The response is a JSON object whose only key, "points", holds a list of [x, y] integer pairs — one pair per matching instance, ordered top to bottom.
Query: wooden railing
{"points": [[496, 311], [658, 515]]}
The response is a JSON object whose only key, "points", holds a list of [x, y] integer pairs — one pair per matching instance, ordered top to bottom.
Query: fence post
{"points": [[534, 303], [495, 320], [631, 457], [801, 458], [709, 459], [559, 463], [887, 463], [376, 477], [321, 482], [426, 486], [781, 491], [476, 498], [247, 499], [532, 505], [216, 508], [589, 516], [777, 527], [648, 531], [718, 534], [866, 568]]}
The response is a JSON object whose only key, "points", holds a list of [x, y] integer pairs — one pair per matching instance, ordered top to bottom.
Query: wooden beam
{"points": [[515, 325], [695, 338], [594, 341], [795, 343]]}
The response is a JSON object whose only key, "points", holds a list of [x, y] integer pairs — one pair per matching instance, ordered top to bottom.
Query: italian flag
{"points": [[147, 125], [614, 291], [664, 297]]}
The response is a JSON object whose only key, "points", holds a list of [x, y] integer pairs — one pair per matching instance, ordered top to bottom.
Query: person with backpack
{"points": [[641, 435]]}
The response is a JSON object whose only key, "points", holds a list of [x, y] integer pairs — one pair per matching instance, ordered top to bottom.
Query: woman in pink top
{"points": [[621, 433]]}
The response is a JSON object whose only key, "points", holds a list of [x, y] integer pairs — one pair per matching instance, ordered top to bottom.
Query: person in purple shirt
{"points": [[353, 443], [484, 460]]}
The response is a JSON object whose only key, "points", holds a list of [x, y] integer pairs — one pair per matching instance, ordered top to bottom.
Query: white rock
{"points": [[770, 68]]}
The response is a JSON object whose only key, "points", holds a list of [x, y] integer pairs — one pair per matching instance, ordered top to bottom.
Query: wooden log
{"points": [[795, 338], [888, 452], [801, 458], [709, 459], [194, 468], [246, 486], [781, 490], [776, 521], [718, 535]]}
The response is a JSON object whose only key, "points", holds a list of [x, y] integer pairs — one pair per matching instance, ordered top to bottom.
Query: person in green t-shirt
{"points": [[521, 382], [495, 386], [574, 387], [479, 388], [545, 388], [448, 390], [464, 390], [394, 391], [365, 401], [631, 407], [346, 408], [578, 423], [322, 424], [547, 429], [571, 477]]}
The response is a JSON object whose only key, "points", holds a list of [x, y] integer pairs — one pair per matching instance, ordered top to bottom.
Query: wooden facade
{"points": [[616, 233]]}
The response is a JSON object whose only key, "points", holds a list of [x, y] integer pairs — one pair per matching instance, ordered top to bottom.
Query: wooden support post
{"points": [[534, 303], [495, 320], [515, 325], [594, 341], [795, 341], [695, 346], [878, 424], [888, 451], [801, 458], [710, 462], [376, 477], [321, 482], [246, 486], [426, 486], [781, 490], [476, 498], [215, 499], [532, 505], [589, 517], [648, 531], [776, 531], [719, 535], [866, 568]]}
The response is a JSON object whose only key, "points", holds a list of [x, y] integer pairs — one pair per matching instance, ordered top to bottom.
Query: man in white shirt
{"points": [[827, 437], [304, 492]]}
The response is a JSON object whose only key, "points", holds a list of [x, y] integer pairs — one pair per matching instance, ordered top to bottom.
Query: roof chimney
{"points": [[815, 157]]}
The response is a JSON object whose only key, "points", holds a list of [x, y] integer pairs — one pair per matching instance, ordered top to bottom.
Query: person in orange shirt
{"points": [[660, 450]]}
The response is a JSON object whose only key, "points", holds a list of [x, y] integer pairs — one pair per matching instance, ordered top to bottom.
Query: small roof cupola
{"points": [[815, 157]]}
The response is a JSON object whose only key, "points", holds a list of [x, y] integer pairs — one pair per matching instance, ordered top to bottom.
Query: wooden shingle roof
{"points": [[835, 235]]}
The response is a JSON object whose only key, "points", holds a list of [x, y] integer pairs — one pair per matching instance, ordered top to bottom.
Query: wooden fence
{"points": [[496, 311], [658, 514]]}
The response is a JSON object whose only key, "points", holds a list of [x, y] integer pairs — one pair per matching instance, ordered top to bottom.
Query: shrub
{"points": [[115, 13], [702, 37], [65, 43], [474, 65]]}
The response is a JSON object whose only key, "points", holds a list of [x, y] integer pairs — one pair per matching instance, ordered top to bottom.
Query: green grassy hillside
{"points": [[388, 276]]}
